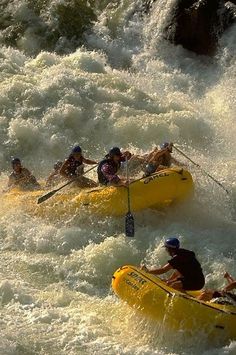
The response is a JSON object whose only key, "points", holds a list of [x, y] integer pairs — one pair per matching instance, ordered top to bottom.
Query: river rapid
{"points": [[128, 87]]}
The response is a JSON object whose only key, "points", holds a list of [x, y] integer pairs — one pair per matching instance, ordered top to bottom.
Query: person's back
{"points": [[186, 263]]}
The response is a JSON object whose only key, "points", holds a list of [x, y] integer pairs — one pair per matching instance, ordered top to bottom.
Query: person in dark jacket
{"points": [[109, 167], [73, 168], [187, 273]]}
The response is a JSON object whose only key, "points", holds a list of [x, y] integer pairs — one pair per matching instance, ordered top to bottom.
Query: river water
{"points": [[130, 88]]}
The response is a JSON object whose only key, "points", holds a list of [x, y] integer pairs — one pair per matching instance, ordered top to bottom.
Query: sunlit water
{"points": [[136, 92]]}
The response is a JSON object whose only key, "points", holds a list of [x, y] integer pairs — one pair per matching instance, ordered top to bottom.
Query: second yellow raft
{"points": [[172, 309]]}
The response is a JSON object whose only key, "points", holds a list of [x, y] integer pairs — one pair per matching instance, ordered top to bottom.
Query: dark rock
{"points": [[198, 24]]}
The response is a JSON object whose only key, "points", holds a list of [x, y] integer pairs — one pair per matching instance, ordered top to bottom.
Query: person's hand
{"points": [[127, 154], [124, 183], [226, 275]]}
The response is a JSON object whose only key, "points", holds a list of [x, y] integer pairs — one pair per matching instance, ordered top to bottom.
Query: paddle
{"points": [[202, 170], [53, 192], [129, 219]]}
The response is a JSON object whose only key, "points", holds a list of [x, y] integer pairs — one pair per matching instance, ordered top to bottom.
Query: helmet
{"points": [[164, 145], [76, 149], [114, 151], [15, 161], [57, 165], [172, 243]]}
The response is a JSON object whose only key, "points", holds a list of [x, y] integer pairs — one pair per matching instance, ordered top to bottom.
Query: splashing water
{"points": [[127, 87]]}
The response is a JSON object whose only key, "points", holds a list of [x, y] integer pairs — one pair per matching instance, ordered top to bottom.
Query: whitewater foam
{"points": [[56, 275]]}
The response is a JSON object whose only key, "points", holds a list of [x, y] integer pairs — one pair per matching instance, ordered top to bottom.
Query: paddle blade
{"points": [[46, 196], [129, 225]]}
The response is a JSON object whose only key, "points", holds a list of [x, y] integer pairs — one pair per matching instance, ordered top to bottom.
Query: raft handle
{"points": [[219, 326]]}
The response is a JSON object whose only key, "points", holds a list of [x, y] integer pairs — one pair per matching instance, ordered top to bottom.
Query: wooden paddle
{"points": [[202, 170], [53, 192], [129, 219]]}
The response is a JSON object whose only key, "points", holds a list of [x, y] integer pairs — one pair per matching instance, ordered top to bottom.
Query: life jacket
{"points": [[74, 164], [101, 178]]}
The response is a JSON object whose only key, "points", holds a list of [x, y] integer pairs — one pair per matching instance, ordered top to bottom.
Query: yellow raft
{"points": [[157, 191], [174, 310]]}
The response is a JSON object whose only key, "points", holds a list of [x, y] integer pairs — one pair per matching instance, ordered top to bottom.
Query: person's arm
{"points": [[89, 162], [159, 271], [229, 278], [230, 287]]}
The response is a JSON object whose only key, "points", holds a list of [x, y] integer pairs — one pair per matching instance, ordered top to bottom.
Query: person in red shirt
{"points": [[187, 272]]}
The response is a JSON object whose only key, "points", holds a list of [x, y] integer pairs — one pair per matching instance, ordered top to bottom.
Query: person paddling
{"points": [[160, 159], [73, 168], [108, 168], [21, 177], [187, 273], [223, 296]]}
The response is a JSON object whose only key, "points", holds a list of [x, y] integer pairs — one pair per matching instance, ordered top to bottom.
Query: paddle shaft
{"points": [[202, 170], [128, 188], [129, 218]]}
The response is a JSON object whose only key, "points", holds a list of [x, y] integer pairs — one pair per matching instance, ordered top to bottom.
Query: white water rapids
{"points": [[134, 90]]}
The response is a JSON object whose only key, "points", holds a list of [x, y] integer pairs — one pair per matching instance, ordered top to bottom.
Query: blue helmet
{"points": [[164, 145], [76, 149], [114, 151], [15, 161], [172, 243]]}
